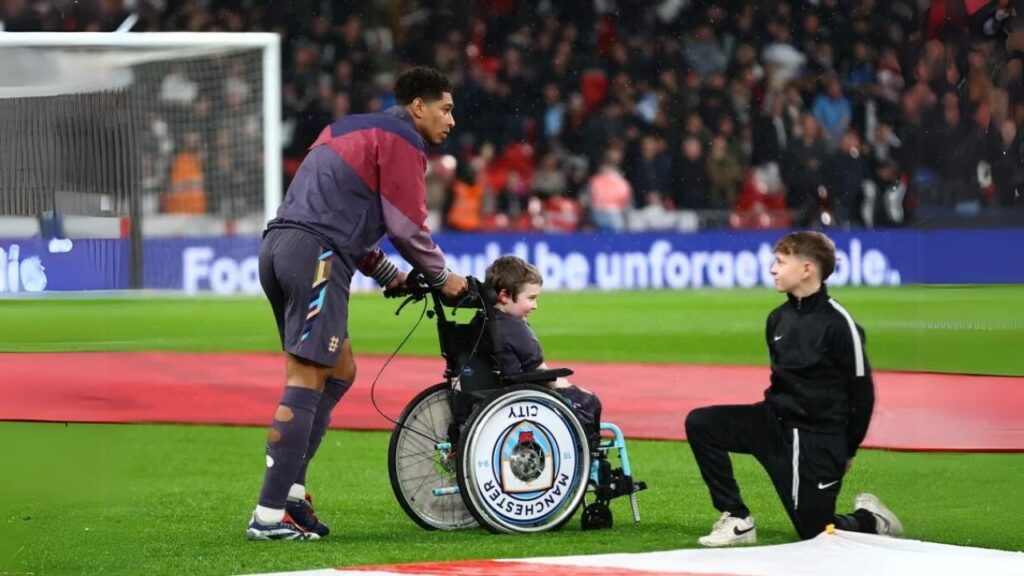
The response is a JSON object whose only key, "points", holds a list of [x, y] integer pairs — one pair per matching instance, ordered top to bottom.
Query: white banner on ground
{"points": [[838, 554]]}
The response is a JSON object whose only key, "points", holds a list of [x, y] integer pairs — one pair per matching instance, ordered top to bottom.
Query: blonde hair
{"points": [[814, 246], [511, 273]]}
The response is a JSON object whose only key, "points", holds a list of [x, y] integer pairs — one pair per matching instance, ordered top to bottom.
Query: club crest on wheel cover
{"points": [[526, 459]]}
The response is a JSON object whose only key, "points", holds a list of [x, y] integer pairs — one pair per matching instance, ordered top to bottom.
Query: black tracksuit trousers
{"points": [[806, 468]]}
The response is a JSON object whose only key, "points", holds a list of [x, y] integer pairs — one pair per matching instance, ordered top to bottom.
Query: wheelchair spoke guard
{"points": [[524, 462]]}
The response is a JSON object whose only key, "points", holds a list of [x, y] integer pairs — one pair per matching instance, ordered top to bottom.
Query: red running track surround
{"points": [[914, 411]]}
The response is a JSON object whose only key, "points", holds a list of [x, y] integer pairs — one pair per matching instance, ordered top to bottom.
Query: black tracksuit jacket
{"points": [[821, 380]]}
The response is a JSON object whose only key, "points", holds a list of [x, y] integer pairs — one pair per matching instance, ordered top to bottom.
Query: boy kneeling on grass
{"points": [[814, 416]]}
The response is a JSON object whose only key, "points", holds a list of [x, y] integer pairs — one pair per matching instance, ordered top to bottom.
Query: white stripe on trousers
{"points": [[796, 468]]}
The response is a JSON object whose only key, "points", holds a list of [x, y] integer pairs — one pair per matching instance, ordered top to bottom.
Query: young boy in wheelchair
{"points": [[517, 285], [487, 359]]}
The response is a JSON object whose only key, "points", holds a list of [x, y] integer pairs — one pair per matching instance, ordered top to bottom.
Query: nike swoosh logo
{"points": [[777, 338], [823, 486], [736, 530]]}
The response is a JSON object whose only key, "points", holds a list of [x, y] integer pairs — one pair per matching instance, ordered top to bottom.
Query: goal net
{"points": [[167, 132]]}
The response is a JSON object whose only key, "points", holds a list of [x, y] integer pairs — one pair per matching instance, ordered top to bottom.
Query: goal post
{"points": [[137, 126]]}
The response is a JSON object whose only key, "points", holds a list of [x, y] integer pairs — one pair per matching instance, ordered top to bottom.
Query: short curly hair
{"points": [[421, 82]]}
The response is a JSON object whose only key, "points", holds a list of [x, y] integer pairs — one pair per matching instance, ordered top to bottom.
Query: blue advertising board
{"points": [[723, 259], [634, 261], [35, 265]]}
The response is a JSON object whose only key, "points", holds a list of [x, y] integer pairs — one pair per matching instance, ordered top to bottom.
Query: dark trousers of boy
{"points": [[588, 408], [805, 467]]}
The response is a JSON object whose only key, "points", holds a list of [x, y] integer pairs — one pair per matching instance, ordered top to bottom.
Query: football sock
{"points": [[334, 389], [286, 444], [266, 515]]}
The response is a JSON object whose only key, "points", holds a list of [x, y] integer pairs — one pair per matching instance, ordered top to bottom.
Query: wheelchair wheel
{"points": [[523, 461], [417, 467], [596, 516]]}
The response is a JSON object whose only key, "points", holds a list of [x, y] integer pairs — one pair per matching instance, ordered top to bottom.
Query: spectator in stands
{"points": [[704, 53], [554, 73], [833, 111], [553, 114], [312, 115], [694, 127], [603, 128], [772, 132], [885, 144], [956, 149], [1006, 155], [802, 169], [652, 171], [844, 173], [724, 174], [578, 175], [689, 177], [549, 180], [186, 190], [610, 195], [513, 196], [884, 199], [465, 208]]}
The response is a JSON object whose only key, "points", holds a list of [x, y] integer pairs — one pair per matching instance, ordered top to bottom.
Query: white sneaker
{"points": [[887, 524], [729, 530]]}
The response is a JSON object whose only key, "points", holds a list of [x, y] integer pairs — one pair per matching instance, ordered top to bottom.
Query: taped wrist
{"points": [[385, 272], [439, 280]]}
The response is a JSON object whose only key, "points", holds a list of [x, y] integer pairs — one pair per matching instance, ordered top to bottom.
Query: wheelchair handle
{"points": [[417, 288]]}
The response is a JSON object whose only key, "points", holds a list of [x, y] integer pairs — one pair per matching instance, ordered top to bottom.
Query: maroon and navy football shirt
{"points": [[362, 179]]}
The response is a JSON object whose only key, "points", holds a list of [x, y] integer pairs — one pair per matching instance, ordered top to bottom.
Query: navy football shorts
{"points": [[308, 286]]}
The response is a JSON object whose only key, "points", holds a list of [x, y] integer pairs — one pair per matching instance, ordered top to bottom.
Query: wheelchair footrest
{"points": [[617, 484]]}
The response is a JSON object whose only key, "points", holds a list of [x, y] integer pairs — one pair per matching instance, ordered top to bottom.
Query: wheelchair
{"points": [[503, 452]]}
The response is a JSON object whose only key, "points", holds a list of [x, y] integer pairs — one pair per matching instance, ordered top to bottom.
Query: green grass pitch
{"points": [[966, 329], [88, 499]]}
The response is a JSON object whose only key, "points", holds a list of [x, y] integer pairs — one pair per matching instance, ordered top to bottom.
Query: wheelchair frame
{"points": [[437, 486]]}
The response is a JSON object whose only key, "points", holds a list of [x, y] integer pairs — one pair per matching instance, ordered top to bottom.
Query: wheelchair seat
{"points": [[471, 358]]}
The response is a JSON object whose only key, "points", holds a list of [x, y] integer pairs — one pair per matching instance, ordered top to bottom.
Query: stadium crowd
{"points": [[651, 115]]}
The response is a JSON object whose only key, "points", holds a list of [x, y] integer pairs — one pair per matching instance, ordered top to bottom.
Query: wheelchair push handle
{"points": [[417, 288]]}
